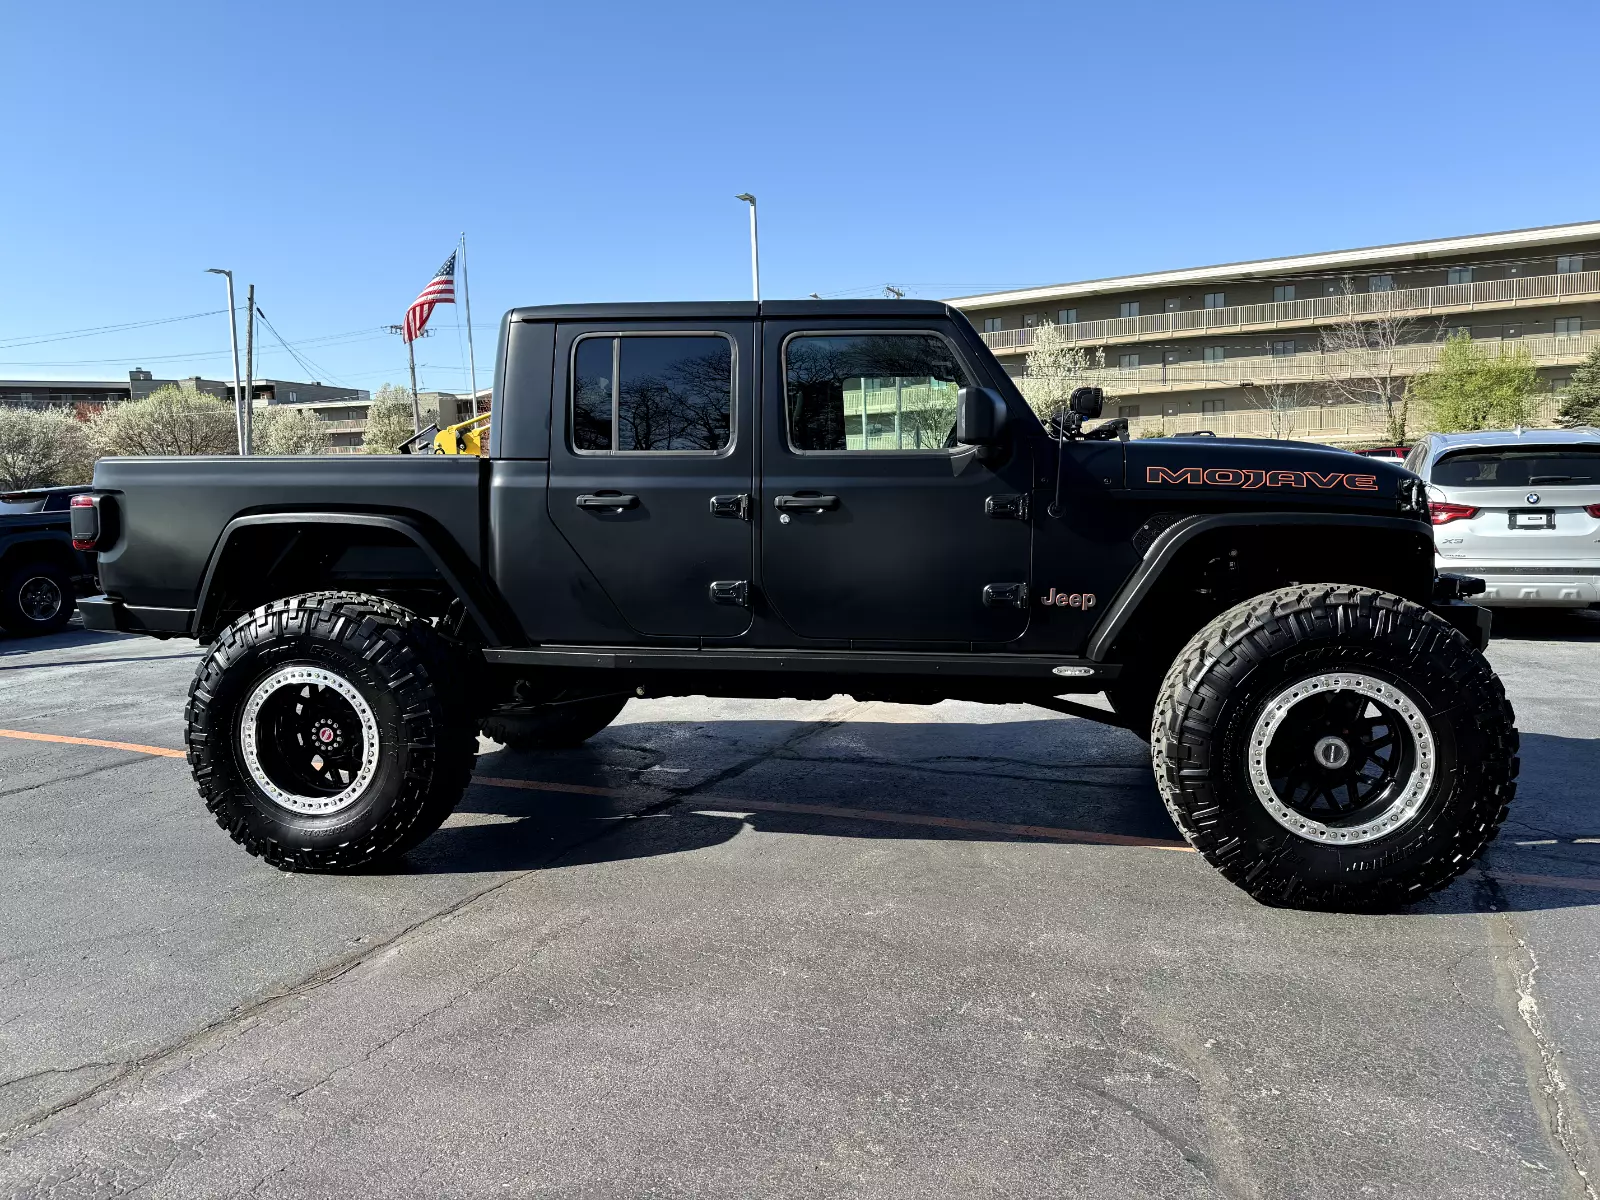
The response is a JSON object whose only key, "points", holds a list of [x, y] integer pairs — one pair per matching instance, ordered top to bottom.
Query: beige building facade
{"points": [[1192, 346]]}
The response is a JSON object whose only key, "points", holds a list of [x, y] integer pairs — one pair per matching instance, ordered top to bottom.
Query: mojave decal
{"points": [[1251, 477]]}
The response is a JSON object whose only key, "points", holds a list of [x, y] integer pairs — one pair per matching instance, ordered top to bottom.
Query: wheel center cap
{"points": [[325, 734], [1331, 752]]}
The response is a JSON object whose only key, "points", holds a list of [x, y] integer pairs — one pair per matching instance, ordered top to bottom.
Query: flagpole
{"points": [[466, 296]]}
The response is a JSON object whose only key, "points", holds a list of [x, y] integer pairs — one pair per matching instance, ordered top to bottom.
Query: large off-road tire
{"points": [[35, 598], [557, 726], [329, 731], [1334, 747]]}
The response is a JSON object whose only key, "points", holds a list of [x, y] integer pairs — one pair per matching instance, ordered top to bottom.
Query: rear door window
{"points": [[652, 393], [1521, 466]]}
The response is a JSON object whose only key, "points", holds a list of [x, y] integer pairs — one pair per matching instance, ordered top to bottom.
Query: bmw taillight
{"points": [[1592, 509], [1441, 513]]}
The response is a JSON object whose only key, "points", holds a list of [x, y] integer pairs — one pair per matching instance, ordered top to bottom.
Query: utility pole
{"points": [[755, 247], [233, 340], [411, 356], [248, 446]]}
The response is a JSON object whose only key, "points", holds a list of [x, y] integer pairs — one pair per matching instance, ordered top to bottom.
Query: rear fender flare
{"points": [[1172, 541], [458, 573]]}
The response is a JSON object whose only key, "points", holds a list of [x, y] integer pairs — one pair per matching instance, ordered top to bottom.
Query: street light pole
{"points": [[755, 247], [233, 340]]}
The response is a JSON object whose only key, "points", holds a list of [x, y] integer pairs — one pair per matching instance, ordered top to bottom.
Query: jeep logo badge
{"points": [[1083, 600]]}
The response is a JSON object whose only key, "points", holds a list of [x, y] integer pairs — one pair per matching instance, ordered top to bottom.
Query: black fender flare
{"points": [[1173, 539], [486, 609]]}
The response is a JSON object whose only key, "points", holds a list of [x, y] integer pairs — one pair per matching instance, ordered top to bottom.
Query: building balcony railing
{"points": [[1405, 303], [1265, 369], [1333, 424]]}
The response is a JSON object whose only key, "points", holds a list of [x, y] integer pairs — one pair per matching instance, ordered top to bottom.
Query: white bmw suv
{"points": [[1518, 509]]}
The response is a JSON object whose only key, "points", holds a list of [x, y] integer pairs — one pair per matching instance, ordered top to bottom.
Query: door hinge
{"points": [[731, 506], [1004, 508], [731, 591], [1005, 595]]}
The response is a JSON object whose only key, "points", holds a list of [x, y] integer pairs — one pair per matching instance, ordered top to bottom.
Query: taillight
{"points": [[1592, 509], [1441, 513], [85, 522]]}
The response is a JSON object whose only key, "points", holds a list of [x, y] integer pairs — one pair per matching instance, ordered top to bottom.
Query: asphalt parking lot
{"points": [[774, 948]]}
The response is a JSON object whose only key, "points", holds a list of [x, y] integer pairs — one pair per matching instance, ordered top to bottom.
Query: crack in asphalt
{"points": [[84, 774], [344, 965]]}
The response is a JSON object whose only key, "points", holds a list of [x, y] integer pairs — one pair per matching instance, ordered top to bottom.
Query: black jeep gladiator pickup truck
{"points": [[799, 499]]}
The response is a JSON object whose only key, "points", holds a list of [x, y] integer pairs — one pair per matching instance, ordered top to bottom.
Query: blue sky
{"points": [[332, 152]]}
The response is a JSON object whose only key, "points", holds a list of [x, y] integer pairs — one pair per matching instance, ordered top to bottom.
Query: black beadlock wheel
{"points": [[36, 598], [557, 726], [326, 731], [1334, 747]]}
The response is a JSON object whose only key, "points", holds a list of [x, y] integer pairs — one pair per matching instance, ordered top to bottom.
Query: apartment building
{"points": [[1203, 341]]}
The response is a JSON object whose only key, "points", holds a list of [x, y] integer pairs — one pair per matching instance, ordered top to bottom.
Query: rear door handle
{"points": [[608, 501], [803, 503], [731, 506]]}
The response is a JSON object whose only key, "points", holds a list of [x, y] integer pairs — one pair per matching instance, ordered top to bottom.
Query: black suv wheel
{"points": [[36, 598], [555, 726], [326, 731], [1334, 747]]}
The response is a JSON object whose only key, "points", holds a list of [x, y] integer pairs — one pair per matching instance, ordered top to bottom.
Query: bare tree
{"points": [[1362, 354], [1056, 367], [1279, 401]]}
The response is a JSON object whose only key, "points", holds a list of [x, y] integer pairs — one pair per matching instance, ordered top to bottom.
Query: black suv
{"points": [[800, 499], [41, 574]]}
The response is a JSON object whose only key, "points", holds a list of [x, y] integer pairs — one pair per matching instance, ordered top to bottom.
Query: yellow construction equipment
{"points": [[466, 437]]}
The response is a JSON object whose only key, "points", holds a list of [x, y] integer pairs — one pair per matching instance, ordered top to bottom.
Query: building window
{"points": [[1569, 264], [1460, 275], [1380, 283], [1283, 293], [1215, 299], [1171, 305], [1128, 308], [1067, 316], [1030, 321], [993, 324], [1569, 326], [1512, 331], [1281, 348], [1215, 354], [1128, 362], [293, 396], [1210, 407], [1128, 412]]}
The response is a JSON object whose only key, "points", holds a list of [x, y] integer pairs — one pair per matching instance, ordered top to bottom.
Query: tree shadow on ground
{"points": [[609, 800]]}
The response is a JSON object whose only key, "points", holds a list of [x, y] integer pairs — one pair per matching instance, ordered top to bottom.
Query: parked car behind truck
{"points": [[799, 499], [41, 573]]}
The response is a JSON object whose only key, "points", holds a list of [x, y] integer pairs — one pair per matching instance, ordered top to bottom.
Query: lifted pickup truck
{"points": [[798, 499]]}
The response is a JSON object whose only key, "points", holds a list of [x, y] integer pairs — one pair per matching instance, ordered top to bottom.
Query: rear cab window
{"points": [[636, 393], [1520, 466]]}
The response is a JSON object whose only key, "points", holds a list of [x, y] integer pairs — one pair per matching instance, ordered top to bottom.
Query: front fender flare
{"points": [[1173, 539]]}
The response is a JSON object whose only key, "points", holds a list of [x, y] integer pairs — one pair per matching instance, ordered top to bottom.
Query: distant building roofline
{"points": [[1332, 260]]}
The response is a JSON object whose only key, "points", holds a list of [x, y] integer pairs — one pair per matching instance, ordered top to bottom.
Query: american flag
{"points": [[441, 289]]}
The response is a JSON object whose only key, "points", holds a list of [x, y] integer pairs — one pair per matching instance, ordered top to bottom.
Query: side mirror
{"points": [[1087, 402], [981, 417]]}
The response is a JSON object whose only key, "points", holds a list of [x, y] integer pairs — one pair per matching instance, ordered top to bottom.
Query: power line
{"points": [[96, 330], [305, 363]]}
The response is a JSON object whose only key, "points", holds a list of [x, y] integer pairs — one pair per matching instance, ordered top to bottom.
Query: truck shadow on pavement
{"points": [[1546, 624], [1102, 794]]}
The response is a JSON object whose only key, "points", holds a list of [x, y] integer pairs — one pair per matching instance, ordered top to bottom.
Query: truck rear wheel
{"points": [[36, 598], [557, 726], [325, 731], [1334, 747]]}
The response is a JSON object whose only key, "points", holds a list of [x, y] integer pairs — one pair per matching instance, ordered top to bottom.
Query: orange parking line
{"points": [[159, 751]]}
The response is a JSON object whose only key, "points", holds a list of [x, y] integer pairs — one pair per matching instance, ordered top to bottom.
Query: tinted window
{"points": [[894, 391], [652, 393], [1530, 466], [22, 506]]}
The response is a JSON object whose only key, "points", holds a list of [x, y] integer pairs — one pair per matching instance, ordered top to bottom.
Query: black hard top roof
{"points": [[732, 310]]}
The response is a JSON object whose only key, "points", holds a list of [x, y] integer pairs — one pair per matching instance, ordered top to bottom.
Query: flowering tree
{"points": [[1056, 367]]}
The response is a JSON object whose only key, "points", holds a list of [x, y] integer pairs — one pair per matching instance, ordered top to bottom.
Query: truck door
{"points": [[651, 469], [875, 526]]}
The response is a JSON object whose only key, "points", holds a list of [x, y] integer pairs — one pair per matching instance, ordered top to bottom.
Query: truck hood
{"points": [[1251, 470]]}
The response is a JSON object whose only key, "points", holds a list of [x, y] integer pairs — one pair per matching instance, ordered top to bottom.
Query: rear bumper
{"points": [[1545, 587], [113, 616]]}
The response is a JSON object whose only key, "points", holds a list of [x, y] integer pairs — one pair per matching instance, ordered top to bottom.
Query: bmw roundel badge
{"points": [[1532, 497]]}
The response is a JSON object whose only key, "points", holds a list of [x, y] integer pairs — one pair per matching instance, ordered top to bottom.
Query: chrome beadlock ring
{"points": [[294, 677], [1398, 812]]}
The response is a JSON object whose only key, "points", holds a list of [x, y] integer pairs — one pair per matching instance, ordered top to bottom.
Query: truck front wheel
{"points": [[325, 732], [1334, 747]]}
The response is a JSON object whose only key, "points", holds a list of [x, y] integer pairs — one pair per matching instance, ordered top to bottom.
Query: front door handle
{"points": [[608, 501], [805, 503]]}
